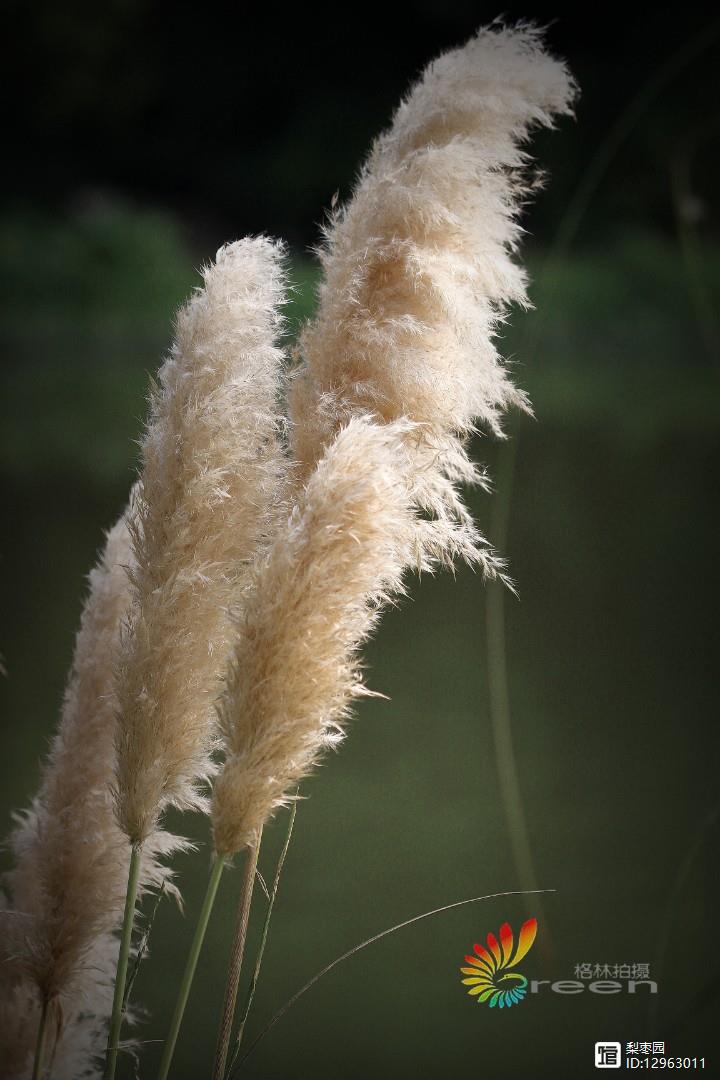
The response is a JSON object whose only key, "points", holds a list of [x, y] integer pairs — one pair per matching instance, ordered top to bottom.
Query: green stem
{"points": [[498, 685], [499, 701], [265, 929], [126, 937], [236, 959], [186, 984], [40, 1044]]}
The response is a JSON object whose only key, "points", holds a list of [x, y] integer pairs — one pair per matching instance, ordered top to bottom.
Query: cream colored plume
{"points": [[419, 270], [212, 474], [315, 597], [65, 894]]}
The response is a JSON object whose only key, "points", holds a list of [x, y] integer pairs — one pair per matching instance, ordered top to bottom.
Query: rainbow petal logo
{"points": [[485, 973]]}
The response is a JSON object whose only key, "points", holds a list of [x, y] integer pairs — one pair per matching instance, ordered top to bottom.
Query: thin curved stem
{"points": [[689, 242], [499, 690], [681, 879], [370, 941], [236, 959], [191, 965], [116, 1018]]}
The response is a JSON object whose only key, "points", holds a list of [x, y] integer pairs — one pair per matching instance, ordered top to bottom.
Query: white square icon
{"points": [[608, 1055]]}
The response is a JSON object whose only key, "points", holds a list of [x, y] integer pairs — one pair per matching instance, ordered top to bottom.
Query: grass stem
{"points": [[499, 691], [264, 935], [236, 959], [122, 966], [186, 984], [40, 1044]]}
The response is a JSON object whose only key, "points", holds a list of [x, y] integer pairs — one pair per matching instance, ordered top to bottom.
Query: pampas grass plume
{"points": [[419, 271], [212, 473], [315, 597], [65, 894]]}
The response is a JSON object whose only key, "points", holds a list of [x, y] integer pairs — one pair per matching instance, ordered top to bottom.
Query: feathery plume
{"points": [[419, 270], [212, 474], [316, 596], [65, 894]]}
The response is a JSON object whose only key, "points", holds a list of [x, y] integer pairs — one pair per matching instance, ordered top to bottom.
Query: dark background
{"points": [[241, 122], [138, 138]]}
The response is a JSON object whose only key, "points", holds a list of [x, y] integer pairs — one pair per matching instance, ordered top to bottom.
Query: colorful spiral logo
{"points": [[486, 976]]}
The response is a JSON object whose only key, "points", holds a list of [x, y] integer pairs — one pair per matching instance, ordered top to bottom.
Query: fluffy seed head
{"points": [[419, 270], [212, 474], [315, 597], [64, 896]]}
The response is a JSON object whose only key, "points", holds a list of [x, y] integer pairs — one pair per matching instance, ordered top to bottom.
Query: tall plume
{"points": [[419, 271], [212, 473], [315, 597], [65, 894]]}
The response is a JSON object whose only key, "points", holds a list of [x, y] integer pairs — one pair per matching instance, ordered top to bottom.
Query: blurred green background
{"points": [[149, 136]]}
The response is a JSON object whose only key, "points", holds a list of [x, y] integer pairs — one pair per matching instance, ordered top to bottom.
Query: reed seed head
{"points": [[419, 270], [213, 469], [315, 597], [65, 894]]}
